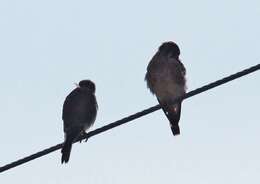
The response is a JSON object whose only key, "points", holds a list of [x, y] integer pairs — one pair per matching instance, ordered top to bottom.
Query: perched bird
{"points": [[165, 78], [79, 113]]}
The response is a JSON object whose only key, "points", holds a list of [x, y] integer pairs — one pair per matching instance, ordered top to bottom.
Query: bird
{"points": [[165, 77], [78, 114]]}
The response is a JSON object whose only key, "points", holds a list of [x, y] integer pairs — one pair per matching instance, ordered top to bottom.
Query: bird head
{"points": [[170, 49], [88, 84]]}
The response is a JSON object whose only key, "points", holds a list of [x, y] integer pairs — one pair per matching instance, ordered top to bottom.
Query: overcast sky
{"points": [[46, 46]]}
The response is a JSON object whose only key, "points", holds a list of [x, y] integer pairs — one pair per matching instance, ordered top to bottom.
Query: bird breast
{"points": [[166, 80]]}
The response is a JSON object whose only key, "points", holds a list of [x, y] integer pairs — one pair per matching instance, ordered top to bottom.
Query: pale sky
{"points": [[46, 46]]}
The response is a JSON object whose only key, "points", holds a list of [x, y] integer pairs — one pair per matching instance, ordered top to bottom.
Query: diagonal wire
{"points": [[132, 117]]}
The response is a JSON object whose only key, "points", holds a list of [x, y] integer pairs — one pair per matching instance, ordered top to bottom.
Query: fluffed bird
{"points": [[165, 78], [79, 113]]}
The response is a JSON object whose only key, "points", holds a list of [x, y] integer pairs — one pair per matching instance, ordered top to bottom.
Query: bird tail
{"points": [[173, 113], [67, 145]]}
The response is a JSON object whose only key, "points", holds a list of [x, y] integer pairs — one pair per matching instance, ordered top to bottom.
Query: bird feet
{"points": [[83, 134]]}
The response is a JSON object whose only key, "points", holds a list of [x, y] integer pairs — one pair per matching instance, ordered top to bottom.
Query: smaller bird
{"points": [[165, 78], [79, 113]]}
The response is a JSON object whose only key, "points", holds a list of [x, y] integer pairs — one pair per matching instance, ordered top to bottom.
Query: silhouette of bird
{"points": [[165, 78], [79, 114]]}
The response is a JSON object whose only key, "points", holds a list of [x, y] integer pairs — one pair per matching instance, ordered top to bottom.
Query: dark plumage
{"points": [[165, 78], [79, 113]]}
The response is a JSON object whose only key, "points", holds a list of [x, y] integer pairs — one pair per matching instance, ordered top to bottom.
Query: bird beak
{"points": [[77, 85]]}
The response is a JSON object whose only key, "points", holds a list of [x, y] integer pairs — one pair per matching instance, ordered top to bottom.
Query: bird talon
{"points": [[83, 134], [86, 139]]}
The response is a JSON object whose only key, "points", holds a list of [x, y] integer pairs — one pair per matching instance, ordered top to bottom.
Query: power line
{"points": [[133, 117]]}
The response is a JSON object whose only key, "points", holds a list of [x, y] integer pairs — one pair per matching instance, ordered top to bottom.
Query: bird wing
{"points": [[177, 71]]}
